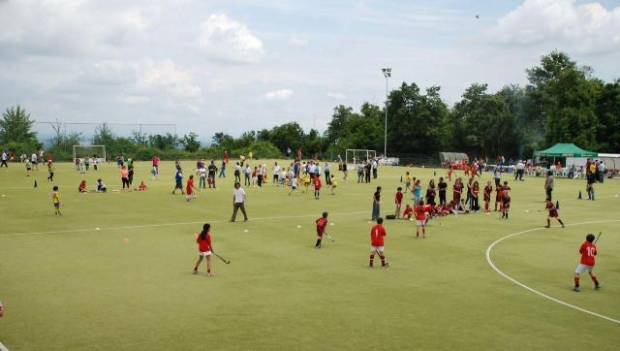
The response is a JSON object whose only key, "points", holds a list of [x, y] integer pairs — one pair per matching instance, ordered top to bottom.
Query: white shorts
{"points": [[421, 223], [376, 249], [204, 254], [583, 268]]}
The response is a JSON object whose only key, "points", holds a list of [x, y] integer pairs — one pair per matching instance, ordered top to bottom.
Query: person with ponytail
{"points": [[204, 249]]}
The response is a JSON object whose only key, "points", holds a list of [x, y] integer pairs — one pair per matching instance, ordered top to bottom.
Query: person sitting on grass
{"points": [[142, 186], [82, 187], [101, 188], [459, 208], [408, 213]]}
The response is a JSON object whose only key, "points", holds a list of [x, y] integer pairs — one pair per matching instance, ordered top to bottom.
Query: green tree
{"points": [[564, 97], [608, 112], [16, 126], [287, 135], [104, 136], [222, 140], [163, 142], [190, 142]]}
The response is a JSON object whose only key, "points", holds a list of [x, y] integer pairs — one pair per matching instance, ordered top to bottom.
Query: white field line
{"points": [[167, 225], [490, 262], [2, 347]]}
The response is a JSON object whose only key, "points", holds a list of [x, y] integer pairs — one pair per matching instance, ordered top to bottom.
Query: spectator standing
{"points": [[238, 202]]}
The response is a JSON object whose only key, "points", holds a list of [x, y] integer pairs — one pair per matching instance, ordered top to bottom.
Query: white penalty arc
{"points": [[566, 304]]}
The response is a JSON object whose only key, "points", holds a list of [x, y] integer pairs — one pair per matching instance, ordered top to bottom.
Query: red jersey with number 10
{"points": [[376, 235], [587, 251]]}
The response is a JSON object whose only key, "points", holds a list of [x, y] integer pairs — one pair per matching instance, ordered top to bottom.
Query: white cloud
{"points": [[588, 28], [227, 39], [299, 41], [164, 73], [281, 95], [337, 96], [135, 100]]}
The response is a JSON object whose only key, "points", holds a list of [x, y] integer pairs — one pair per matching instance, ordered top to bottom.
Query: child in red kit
{"points": [[317, 187], [488, 189], [190, 191], [398, 201], [553, 213], [408, 214], [420, 218], [321, 226], [377, 233], [204, 249], [588, 252]]}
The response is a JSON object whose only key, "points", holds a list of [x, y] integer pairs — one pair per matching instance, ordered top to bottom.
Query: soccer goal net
{"points": [[97, 151], [355, 156]]}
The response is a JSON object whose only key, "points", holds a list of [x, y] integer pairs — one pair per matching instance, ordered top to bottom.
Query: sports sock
{"points": [[559, 220], [318, 242], [372, 258], [382, 259], [595, 281], [576, 282]]}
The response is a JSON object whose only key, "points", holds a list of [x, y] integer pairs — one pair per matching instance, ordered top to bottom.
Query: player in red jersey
{"points": [[317, 186], [488, 189], [457, 190], [190, 191], [475, 192], [398, 201], [505, 203], [408, 213], [553, 213], [420, 218], [321, 226], [377, 233], [204, 249], [587, 251]]}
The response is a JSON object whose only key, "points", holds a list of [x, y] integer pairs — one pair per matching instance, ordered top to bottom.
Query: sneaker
{"points": [[562, 225], [547, 226], [317, 247], [386, 265], [369, 266], [195, 271], [210, 274], [597, 287], [577, 289]]}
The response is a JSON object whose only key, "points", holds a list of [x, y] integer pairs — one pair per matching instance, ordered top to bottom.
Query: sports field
{"points": [[114, 271]]}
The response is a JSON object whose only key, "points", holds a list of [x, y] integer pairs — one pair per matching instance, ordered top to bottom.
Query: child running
{"points": [[334, 184], [189, 189], [56, 201], [553, 213], [321, 226], [377, 233], [204, 249], [587, 251]]}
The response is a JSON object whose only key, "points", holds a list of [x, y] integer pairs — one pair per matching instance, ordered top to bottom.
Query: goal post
{"points": [[90, 151], [355, 156]]}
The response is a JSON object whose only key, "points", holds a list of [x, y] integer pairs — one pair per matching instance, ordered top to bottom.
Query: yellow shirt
{"points": [[56, 197]]}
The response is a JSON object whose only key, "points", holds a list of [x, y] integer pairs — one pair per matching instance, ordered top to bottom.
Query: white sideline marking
{"points": [[253, 219], [488, 254], [2, 347]]}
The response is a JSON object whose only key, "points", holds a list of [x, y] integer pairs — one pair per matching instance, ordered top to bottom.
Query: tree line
{"points": [[563, 102]]}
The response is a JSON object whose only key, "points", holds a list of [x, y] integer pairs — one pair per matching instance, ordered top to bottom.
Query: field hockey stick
{"points": [[599, 235], [330, 237], [221, 258]]}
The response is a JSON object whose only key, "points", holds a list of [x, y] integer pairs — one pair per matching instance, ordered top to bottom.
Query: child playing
{"points": [[28, 167], [50, 170], [154, 173], [178, 181], [293, 181], [306, 181], [407, 182], [334, 184], [142, 186], [82, 187], [317, 187], [101, 188], [189, 189], [417, 192], [487, 196], [56, 201], [398, 201], [505, 204], [553, 213], [408, 214], [420, 216], [321, 225], [377, 233], [205, 249], [588, 252]]}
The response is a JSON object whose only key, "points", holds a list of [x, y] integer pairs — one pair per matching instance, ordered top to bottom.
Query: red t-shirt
{"points": [[317, 183], [190, 186], [399, 198], [553, 211], [408, 212], [420, 212], [321, 224], [376, 235], [204, 245], [587, 251]]}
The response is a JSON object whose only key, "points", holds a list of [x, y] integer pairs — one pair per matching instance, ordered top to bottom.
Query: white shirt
{"points": [[276, 169], [239, 195]]}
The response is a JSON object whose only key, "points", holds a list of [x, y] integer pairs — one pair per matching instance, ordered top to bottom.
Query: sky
{"points": [[236, 66]]}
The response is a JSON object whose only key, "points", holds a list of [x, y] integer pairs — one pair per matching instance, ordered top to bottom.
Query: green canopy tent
{"points": [[565, 150]]}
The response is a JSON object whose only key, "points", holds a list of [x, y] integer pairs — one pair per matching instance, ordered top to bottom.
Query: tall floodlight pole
{"points": [[387, 72]]}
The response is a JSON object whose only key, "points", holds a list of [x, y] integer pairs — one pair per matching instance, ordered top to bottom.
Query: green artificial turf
{"points": [[67, 285]]}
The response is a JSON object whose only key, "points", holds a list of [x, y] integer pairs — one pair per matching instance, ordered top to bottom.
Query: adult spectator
{"points": [[549, 184], [238, 202]]}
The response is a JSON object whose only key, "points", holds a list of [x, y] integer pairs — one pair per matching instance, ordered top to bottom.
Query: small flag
{"points": [[35, 184], [579, 197], [557, 205]]}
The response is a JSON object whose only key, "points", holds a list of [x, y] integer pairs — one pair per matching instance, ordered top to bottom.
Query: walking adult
{"points": [[549, 185], [238, 202], [376, 204]]}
